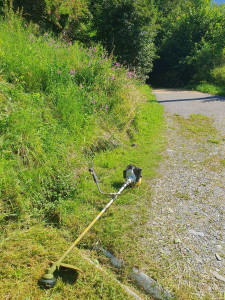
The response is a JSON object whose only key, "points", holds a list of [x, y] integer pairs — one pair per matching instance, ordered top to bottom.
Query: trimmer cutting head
{"points": [[48, 280], [47, 283]]}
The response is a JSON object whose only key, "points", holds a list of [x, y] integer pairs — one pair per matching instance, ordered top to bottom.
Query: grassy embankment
{"points": [[216, 84], [61, 106]]}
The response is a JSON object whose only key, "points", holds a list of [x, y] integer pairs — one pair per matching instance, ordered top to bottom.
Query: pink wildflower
{"points": [[70, 43], [59, 72], [113, 77], [93, 102], [106, 106]]}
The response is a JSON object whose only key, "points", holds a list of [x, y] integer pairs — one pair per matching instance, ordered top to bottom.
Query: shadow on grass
{"points": [[117, 184], [68, 276]]}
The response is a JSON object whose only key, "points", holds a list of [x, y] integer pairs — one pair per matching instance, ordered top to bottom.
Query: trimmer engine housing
{"points": [[133, 173]]}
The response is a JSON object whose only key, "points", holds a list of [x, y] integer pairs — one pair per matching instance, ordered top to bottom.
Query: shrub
{"points": [[127, 29], [190, 41], [203, 59], [218, 75]]}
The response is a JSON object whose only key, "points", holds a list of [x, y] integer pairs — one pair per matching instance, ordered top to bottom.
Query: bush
{"points": [[127, 29], [190, 42], [203, 59], [218, 75]]}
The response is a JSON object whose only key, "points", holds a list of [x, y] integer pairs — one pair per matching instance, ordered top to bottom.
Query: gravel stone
{"points": [[188, 198]]}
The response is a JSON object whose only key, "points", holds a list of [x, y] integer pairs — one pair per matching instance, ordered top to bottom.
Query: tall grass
{"points": [[79, 82], [216, 83], [68, 101], [63, 108]]}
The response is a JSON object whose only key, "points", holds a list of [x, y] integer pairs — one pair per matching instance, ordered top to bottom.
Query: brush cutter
{"points": [[132, 177]]}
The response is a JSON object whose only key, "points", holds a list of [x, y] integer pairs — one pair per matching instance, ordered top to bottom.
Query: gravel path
{"points": [[189, 102], [187, 215]]}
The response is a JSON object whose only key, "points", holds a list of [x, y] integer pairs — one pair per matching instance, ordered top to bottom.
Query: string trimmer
{"points": [[132, 176]]}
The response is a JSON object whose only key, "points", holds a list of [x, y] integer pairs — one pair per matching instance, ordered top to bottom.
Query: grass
{"points": [[210, 88], [64, 108], [89, 110], [55, 123], [199, 127], [68, 206], [26, 253]]}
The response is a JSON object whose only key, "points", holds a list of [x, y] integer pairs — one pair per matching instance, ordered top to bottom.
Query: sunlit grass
{"points": [[210, 88], [64, 108]]}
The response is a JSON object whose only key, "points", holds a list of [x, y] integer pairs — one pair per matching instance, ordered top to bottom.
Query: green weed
{"points": [[210, 88], [199, 127], [26, 254]]}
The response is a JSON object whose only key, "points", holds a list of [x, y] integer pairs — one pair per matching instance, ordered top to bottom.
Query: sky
{"points": [[219, 1]]}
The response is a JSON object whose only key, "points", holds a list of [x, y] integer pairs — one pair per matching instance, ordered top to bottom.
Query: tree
{"points": [[127, 29], [188, 37]]}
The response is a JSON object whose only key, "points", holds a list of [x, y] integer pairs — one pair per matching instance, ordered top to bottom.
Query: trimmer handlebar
{"points": [[91, 170], [132, 175]]}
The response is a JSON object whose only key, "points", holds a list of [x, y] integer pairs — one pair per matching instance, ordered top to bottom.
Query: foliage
{"points": [[71, 19], [119, 25], [127, 29], [183, 39], [188, 39], [204, 58], [218, 76], [209, 88]]}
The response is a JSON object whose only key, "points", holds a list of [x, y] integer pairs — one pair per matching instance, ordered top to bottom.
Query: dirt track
{"points": [[189, 102], [187, 215]]}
